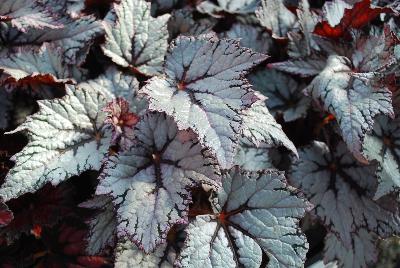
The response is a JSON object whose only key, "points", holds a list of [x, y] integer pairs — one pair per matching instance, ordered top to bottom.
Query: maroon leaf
{"points": [[342, 16]]}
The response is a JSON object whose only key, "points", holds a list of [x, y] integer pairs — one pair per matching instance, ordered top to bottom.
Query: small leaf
{"points": [[136, 40], [114, 83], [204, 89], [122, 122], [66, 137], [151, 181], [247, 225]]}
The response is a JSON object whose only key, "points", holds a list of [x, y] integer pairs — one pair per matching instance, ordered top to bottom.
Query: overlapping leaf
{"points": [[25, 14], [341, 15], [74, 39], [136, 40], [45, 65], [204, 89], [284, 94], [66, 137], [383, 146], [151, 181], [341, 189], [247, 225]]}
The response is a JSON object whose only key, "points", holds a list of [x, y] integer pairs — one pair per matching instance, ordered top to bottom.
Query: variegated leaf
{"points": [[215, 8], [24, 14], [274, 16], [182, 22], [250, 36], [74, 39], [136, 39], [45, 65], [204, 89], [284, 94], [353, 101], [259, 126], [66, 137], [383, 145], [151, 181], [341, 189], [256, 213], [103, 226], [361, 254], [129, 255]]}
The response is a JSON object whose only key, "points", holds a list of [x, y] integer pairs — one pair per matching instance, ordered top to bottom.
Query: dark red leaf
{"points": [[356, 17], [6, 215]]}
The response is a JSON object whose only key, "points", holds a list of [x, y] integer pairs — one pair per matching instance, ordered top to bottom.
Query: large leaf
{"points": [[215, 8], [24, 14], [274, 16], [74, 39], [136, 40], [45, 65], [204, 89], [284, 94], [353, 101], [259, 126], [66, 137], [383, 145], [151, 181], [341, 189], [255, 213], [103, 226], [129, 255]]}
